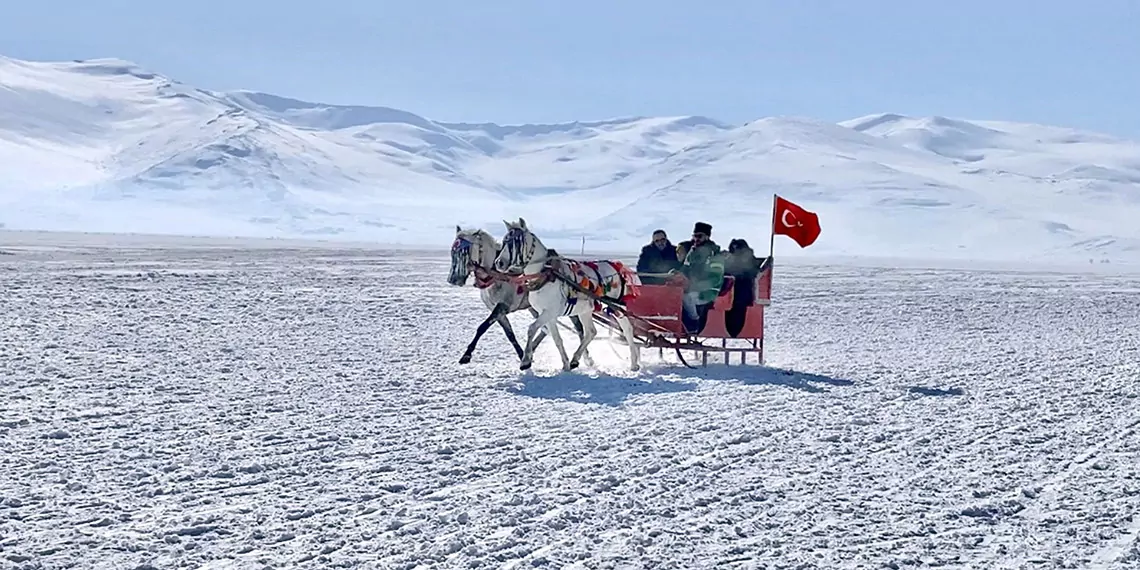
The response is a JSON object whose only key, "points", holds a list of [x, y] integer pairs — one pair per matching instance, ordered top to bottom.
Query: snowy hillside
{"points": [[107, 146]]}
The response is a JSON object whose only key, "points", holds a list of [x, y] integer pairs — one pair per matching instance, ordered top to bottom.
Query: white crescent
{"points": [[784, 219]]}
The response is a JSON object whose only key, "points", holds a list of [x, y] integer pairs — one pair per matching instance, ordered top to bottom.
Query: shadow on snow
{"points": [[770, 376], [601, 389], [612, 390], [935, 391]]}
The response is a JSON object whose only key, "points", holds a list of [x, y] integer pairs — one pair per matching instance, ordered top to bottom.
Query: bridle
{"points": [[514, 243], [484, 276]]}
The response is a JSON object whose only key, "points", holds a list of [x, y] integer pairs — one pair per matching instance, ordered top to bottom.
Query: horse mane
{"points": [[484, 234]]}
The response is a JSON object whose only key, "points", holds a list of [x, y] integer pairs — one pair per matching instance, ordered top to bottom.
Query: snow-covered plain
{"points": [[104, 145], [223, 405]]}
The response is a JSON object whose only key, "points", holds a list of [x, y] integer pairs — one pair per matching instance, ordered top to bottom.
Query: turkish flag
{"points": [[795, 222]]}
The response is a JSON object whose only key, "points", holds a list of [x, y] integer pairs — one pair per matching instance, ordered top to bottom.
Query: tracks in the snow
{"points": [[291, 409]]}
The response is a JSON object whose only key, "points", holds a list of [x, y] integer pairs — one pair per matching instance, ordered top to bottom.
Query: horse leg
{"points": [[499, 310], [544, 319], [589, 331], [510, 332], [541, 333], [556, 336], [634, 350], [586, 359]]}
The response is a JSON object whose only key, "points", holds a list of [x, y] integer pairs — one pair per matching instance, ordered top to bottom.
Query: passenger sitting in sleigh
{"points": [[658, 259], [702, 264], [743, 266]]}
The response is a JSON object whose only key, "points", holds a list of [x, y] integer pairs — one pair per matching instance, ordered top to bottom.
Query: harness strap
{"points": [[597, 276], [486, 277], [621, 279], [485, 281], [535, 281], [611, 303]]}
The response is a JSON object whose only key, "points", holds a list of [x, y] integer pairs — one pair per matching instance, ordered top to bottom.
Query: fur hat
{"points": [[702, 228]]}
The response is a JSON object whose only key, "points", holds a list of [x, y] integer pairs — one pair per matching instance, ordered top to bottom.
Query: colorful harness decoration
{"points": [[596, 278], [604, 279]]}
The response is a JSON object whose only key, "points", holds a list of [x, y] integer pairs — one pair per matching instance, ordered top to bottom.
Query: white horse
{"points": [[473, 252], [549, 279]]}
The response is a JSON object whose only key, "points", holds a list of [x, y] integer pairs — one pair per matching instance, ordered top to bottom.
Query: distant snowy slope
{"points": [[60, 123], [391, 132], [111, 134], [104, 144], [1028, 149], [1035, 151], [527, 159], [543, 159], [1076, 183], [875, 194]]}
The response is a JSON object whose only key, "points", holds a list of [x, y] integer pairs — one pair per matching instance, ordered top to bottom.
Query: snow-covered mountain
{"points": [[103, 145]]}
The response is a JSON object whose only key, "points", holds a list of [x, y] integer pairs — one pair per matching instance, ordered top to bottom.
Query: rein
{"points": [[486, 277], [535, 281]]}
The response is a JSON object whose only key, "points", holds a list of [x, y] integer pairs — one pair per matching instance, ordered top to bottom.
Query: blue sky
{"points": [[512, 61]]}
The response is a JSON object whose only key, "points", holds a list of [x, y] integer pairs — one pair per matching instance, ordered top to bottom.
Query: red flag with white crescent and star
{"points": [[795, 222]]}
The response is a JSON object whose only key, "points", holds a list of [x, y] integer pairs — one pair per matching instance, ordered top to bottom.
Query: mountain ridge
{"points": [[96, 143]]}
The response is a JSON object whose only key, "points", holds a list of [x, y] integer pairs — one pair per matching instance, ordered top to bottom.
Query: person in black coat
{"points": [[658, 257], [743, 265]]}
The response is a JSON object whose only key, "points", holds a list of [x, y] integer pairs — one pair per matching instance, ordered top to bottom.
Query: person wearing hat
{"points": [[659, 257], [703, 266]]}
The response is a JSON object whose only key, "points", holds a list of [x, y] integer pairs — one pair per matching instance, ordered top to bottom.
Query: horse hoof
{"points": [[465, 359], [573, 365], [524, 366], [635, 367]]}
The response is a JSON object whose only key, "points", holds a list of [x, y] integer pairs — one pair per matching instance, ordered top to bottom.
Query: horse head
{"points": [[520, 248], [472, 251]]}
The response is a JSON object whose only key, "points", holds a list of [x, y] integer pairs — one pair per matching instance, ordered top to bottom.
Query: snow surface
{"points": [[104, 145], [215, 404]]}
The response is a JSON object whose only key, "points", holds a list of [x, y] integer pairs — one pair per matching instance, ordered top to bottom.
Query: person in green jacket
{"points": [[703, 266]]}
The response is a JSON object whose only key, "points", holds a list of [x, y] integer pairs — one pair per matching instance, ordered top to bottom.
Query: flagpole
{"points": [[772, 239]]}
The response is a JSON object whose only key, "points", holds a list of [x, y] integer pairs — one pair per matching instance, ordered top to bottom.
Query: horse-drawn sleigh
{"points": [[522, 273], [730, 326]]}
